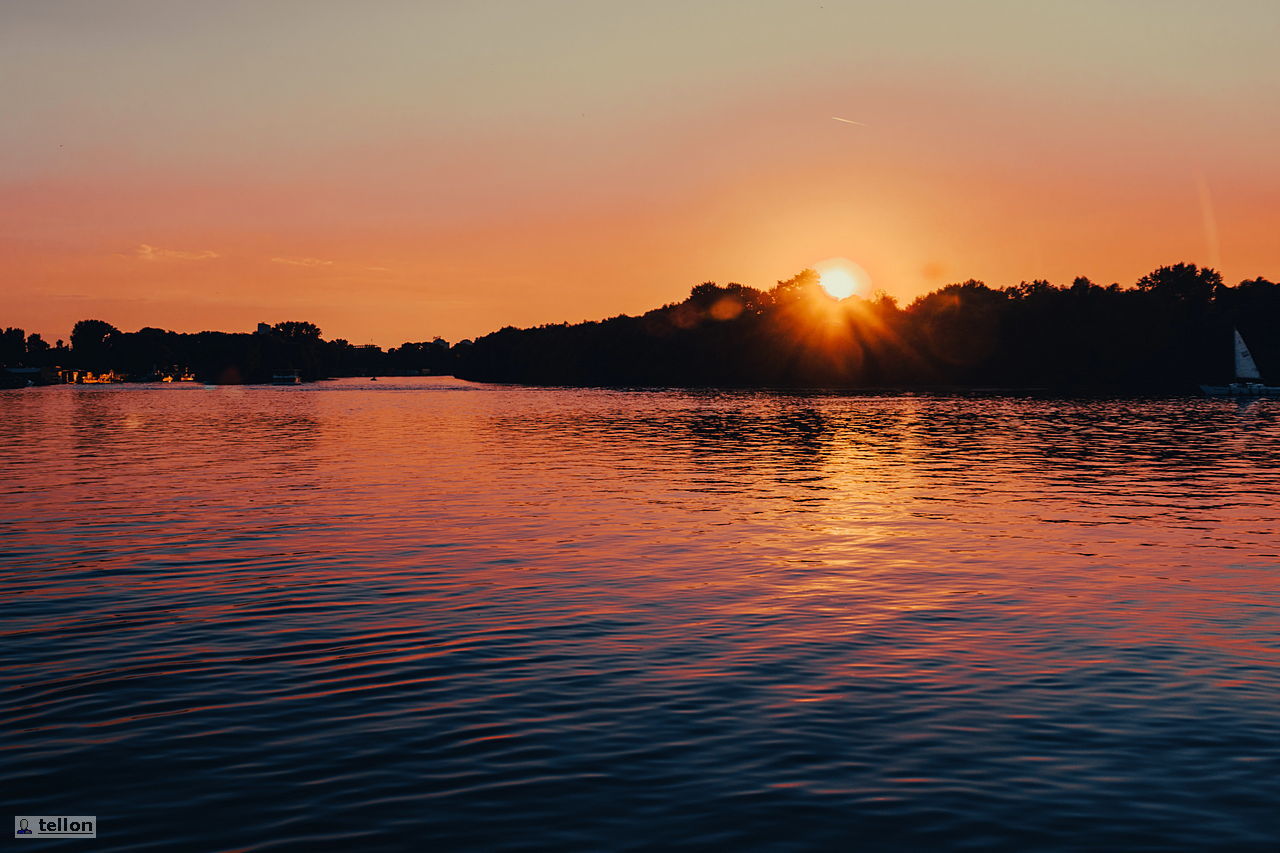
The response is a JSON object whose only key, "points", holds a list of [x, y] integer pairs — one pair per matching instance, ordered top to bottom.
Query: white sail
{"points": [[1245, 367]]}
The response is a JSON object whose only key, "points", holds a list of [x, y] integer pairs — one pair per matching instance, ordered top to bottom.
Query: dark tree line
{"points": [[1168, 333], [221, 357]]}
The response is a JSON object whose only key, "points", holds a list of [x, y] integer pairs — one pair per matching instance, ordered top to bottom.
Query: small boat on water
{"points": [[286, 377], [1248, 380]]}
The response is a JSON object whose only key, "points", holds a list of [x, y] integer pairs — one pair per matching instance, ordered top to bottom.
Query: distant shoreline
{"points": [[1169, 333]]}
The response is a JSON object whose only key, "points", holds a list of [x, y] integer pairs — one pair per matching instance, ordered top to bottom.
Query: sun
{"points": [[842, 278], [838, 283]]}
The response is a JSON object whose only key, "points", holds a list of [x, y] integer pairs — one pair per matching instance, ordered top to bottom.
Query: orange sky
{"points": [[420, 169]]}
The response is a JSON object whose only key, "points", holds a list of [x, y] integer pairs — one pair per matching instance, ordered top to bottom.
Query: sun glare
{"points": [[842, 278]]}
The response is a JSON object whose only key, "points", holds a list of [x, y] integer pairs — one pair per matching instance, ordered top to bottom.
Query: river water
{"points": [[427, 614]]}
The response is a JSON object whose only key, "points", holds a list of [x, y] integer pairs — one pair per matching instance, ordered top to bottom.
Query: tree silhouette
{"points": [[1183, 282], [297, 330], [1168, 333], [89, 342], [13, 347], [38, 350]]}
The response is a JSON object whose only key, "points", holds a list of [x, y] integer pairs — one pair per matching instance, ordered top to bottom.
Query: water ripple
{"points": [[430, 613]]}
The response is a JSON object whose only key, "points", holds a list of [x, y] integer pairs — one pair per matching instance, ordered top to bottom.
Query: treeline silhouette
{"points": [[1168, 333], [219, 357]]}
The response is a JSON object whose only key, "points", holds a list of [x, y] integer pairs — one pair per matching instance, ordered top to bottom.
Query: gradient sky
{"points": [[399, 170]]}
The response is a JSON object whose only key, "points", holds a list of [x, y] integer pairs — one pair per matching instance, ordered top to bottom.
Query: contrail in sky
{"points": [[848, 121], [1210, 222]]}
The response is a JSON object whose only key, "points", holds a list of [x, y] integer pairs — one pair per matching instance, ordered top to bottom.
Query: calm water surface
{"points": [[423, 614]]}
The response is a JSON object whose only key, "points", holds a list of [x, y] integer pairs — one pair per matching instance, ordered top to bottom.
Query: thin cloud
{"points": [[849, 121], [146, 252], [303, 262]]}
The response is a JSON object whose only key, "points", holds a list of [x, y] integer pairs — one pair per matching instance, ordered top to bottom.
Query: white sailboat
{"points": [[1248, 380]]}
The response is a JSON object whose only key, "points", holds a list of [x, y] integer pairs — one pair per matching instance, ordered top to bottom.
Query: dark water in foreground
{"points": [[430, 615]]}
